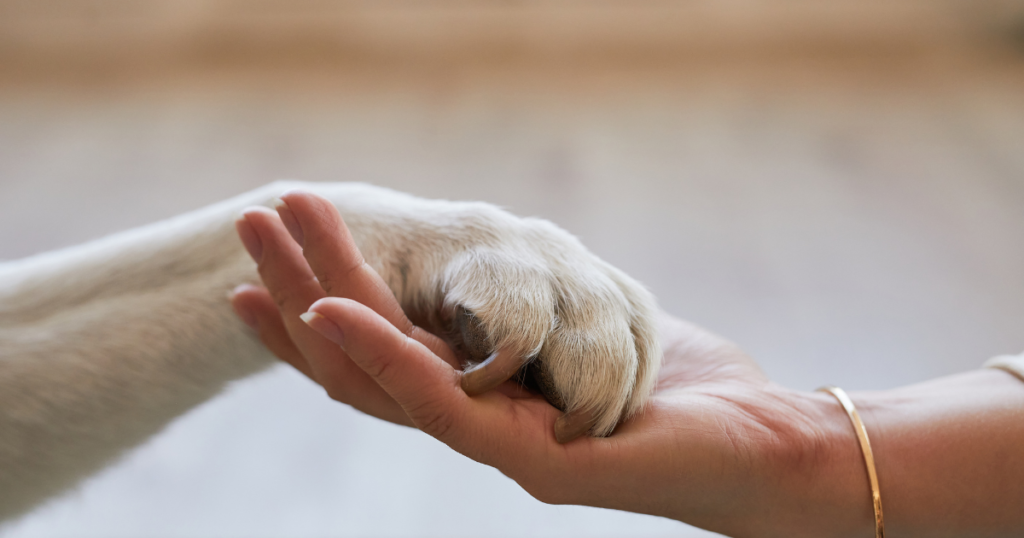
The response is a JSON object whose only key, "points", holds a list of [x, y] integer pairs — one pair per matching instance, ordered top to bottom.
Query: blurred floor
{"points": [[848, 216]]}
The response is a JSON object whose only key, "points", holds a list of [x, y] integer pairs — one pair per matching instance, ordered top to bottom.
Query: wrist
{"points": [[822, 481]]}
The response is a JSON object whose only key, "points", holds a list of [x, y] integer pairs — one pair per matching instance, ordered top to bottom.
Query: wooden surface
{"points": [[849, 215]]}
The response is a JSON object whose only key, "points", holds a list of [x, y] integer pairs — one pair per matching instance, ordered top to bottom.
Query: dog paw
{"points": [[515, 297], [526, 300]]}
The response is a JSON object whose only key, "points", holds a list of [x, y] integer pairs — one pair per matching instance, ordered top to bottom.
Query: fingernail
{"points": [[289, 220], [249, 237], [324, 326]]}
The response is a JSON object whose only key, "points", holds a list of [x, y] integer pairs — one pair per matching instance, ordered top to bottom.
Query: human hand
{"points": [[508, 294], [716, 440]]}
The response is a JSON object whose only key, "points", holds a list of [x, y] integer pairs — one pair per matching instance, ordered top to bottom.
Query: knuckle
{"points": [[332, 281], [329, 286], [292, 296], [282, 298], [382, 364], [382, 369], [433, 416], [434, 419]]}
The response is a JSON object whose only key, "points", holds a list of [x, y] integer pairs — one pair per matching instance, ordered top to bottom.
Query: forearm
{"points": [[950, 454]]}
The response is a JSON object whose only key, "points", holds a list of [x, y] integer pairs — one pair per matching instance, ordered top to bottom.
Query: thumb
{"points": [[425, 386]]}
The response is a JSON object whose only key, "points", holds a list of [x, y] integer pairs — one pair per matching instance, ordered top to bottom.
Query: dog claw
{"points": [[501, 365], [497, 369], [573, 424]]}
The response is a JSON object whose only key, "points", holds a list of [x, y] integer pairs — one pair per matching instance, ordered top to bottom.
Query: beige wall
{"points": [[456, 30]]}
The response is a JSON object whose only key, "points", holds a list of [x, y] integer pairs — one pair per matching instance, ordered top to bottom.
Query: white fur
{"points": [[101, 345]]}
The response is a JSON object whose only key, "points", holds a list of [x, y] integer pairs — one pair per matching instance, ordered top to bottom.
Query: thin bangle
{"points": [[1013, 364], [865, 448]]}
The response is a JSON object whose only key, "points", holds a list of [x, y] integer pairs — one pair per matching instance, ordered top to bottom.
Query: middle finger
{"points": [[335, 259], [294, 288]]}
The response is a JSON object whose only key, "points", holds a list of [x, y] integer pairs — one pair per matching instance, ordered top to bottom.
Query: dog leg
{"points": [[103, 344]]}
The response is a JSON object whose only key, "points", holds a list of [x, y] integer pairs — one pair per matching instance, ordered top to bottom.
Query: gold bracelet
{"points": [[1013, 364], [865, 448]]}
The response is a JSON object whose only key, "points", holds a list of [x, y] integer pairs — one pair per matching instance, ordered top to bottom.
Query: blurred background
{"points": [[837, 186]]}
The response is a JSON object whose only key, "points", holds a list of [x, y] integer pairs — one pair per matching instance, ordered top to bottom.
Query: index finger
{"points": [[333, 256]]}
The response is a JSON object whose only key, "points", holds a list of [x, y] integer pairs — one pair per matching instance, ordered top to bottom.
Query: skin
{"points": [[719, 446]]}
